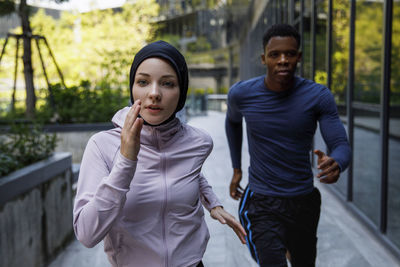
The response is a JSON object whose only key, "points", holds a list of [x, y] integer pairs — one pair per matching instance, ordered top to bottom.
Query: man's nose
{"points": [[283, 59]]}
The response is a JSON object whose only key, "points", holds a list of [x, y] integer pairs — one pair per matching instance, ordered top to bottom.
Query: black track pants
{"points": [[275, 225]]}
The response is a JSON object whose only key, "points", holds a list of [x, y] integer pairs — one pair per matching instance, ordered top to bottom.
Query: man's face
{"points": [[281, 56]]}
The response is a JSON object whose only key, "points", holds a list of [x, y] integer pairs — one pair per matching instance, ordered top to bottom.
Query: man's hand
{"points": [[130, 135], [330, 170], [235, 190], [218, 213]]}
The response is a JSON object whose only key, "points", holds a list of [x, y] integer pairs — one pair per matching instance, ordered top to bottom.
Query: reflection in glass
{"points": [[321, 33], [340, 37], [340, 47], [306, 53], [368, 53], [367, 141], [367, 164], [394, 191], [393, 231]]}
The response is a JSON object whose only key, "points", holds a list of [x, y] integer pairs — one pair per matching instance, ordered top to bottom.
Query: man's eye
{"points": [[292, 53], [273, 54]]}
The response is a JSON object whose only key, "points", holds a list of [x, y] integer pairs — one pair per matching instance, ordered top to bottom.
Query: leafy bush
{"points": [[200, 45], [78, 104], [24, 145]]}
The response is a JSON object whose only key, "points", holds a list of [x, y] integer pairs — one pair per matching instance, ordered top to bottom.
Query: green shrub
{"points": [[79, 104], [24, 145]]}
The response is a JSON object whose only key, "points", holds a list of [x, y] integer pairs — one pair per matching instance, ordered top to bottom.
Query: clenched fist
{"points": [[130, 135]]}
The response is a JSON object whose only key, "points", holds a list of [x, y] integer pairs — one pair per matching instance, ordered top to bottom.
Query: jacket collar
{"points": [[152, 135]]}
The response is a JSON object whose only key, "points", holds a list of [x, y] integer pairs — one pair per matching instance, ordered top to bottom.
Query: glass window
{"points": [[306, 35], [321, 35], [340, 55], [367, 87], [394, 132], [367, 163]]}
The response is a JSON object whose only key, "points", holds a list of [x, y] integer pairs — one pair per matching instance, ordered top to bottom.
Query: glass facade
{"points": [[345, 46], [339, 66], [366, 108], [393, 230]]}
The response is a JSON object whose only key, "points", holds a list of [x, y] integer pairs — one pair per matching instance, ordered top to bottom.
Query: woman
{"points": [[140, 186]]}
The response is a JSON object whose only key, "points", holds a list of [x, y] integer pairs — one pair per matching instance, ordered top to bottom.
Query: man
{"points": [[280, 207]]}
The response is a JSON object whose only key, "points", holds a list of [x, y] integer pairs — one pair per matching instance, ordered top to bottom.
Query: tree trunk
{"points": [[27, 59]]}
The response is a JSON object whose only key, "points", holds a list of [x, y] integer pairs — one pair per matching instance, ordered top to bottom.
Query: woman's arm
{"points": [[101, 194], [207, 195], [211, 202]]}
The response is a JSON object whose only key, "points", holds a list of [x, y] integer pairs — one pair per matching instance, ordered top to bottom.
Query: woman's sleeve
{"points": [[101, 194], [207, 195]]}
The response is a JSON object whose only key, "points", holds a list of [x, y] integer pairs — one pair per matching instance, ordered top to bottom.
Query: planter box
{"points": [[36, 212]]}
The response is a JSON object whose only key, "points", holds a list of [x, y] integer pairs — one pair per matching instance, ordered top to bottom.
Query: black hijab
{"points": [[164, 50]]}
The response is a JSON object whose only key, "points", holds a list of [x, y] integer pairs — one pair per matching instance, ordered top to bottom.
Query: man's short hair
{"points": [[281, 30]]}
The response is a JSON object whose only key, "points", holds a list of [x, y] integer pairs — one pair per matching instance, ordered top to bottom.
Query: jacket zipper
{"points": [[163, 170]]}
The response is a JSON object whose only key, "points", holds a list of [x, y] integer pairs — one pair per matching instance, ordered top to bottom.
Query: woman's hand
{"points": [[130, 135], [218, 213]]}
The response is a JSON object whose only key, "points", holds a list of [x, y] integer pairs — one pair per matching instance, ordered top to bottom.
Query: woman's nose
{"points": [[155, 92]]}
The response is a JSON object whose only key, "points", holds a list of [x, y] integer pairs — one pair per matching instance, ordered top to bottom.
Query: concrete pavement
{"points": [[343, 241]]}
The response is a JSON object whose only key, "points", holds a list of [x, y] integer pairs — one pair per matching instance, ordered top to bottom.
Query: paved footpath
{"points": [[342, 240]]}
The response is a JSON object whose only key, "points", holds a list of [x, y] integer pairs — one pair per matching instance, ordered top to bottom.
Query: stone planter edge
{"points": [[23, 180]]}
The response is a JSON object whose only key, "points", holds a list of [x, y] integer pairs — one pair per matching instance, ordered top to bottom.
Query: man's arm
{"points": [[234, 134], [335, 137]]}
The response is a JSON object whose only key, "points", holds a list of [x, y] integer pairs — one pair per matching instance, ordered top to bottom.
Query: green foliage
{"points": [[6, 7], [341, 18], [173, 39], [200, 45], [97, 46], [368, 52], [321, 77], [224, 90], [199, 91], [78, 104], [24, 145]]}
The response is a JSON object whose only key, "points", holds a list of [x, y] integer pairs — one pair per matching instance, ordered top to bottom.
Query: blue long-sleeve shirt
{"points": [[280, 129]]}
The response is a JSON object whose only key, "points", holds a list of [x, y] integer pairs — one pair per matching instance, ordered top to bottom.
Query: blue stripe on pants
{"points": [[246, 224]]}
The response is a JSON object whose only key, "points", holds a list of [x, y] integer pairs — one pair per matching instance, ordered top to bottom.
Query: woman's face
{"points": [[156, 85]]}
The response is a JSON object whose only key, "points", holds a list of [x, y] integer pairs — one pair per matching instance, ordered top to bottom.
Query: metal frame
{"points": [[302, 34], [313, 37], [329, 49], [349, 99], [384, 116]]}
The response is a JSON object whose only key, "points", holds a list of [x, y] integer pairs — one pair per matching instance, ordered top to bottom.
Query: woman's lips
{"points": [[153, 109]]}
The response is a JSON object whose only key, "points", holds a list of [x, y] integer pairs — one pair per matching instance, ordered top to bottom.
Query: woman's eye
{"points": [[142, 82], [168, 84]]}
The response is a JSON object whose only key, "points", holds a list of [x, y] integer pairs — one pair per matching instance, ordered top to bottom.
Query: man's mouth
{"points": [[283, 72]]}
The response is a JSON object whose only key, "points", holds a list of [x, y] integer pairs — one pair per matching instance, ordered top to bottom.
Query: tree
{"points": [[23, 11], [97, 46], [368, 52]]}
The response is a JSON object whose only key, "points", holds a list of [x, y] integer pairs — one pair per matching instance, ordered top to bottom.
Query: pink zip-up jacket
{"points": [[156, 217]]}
